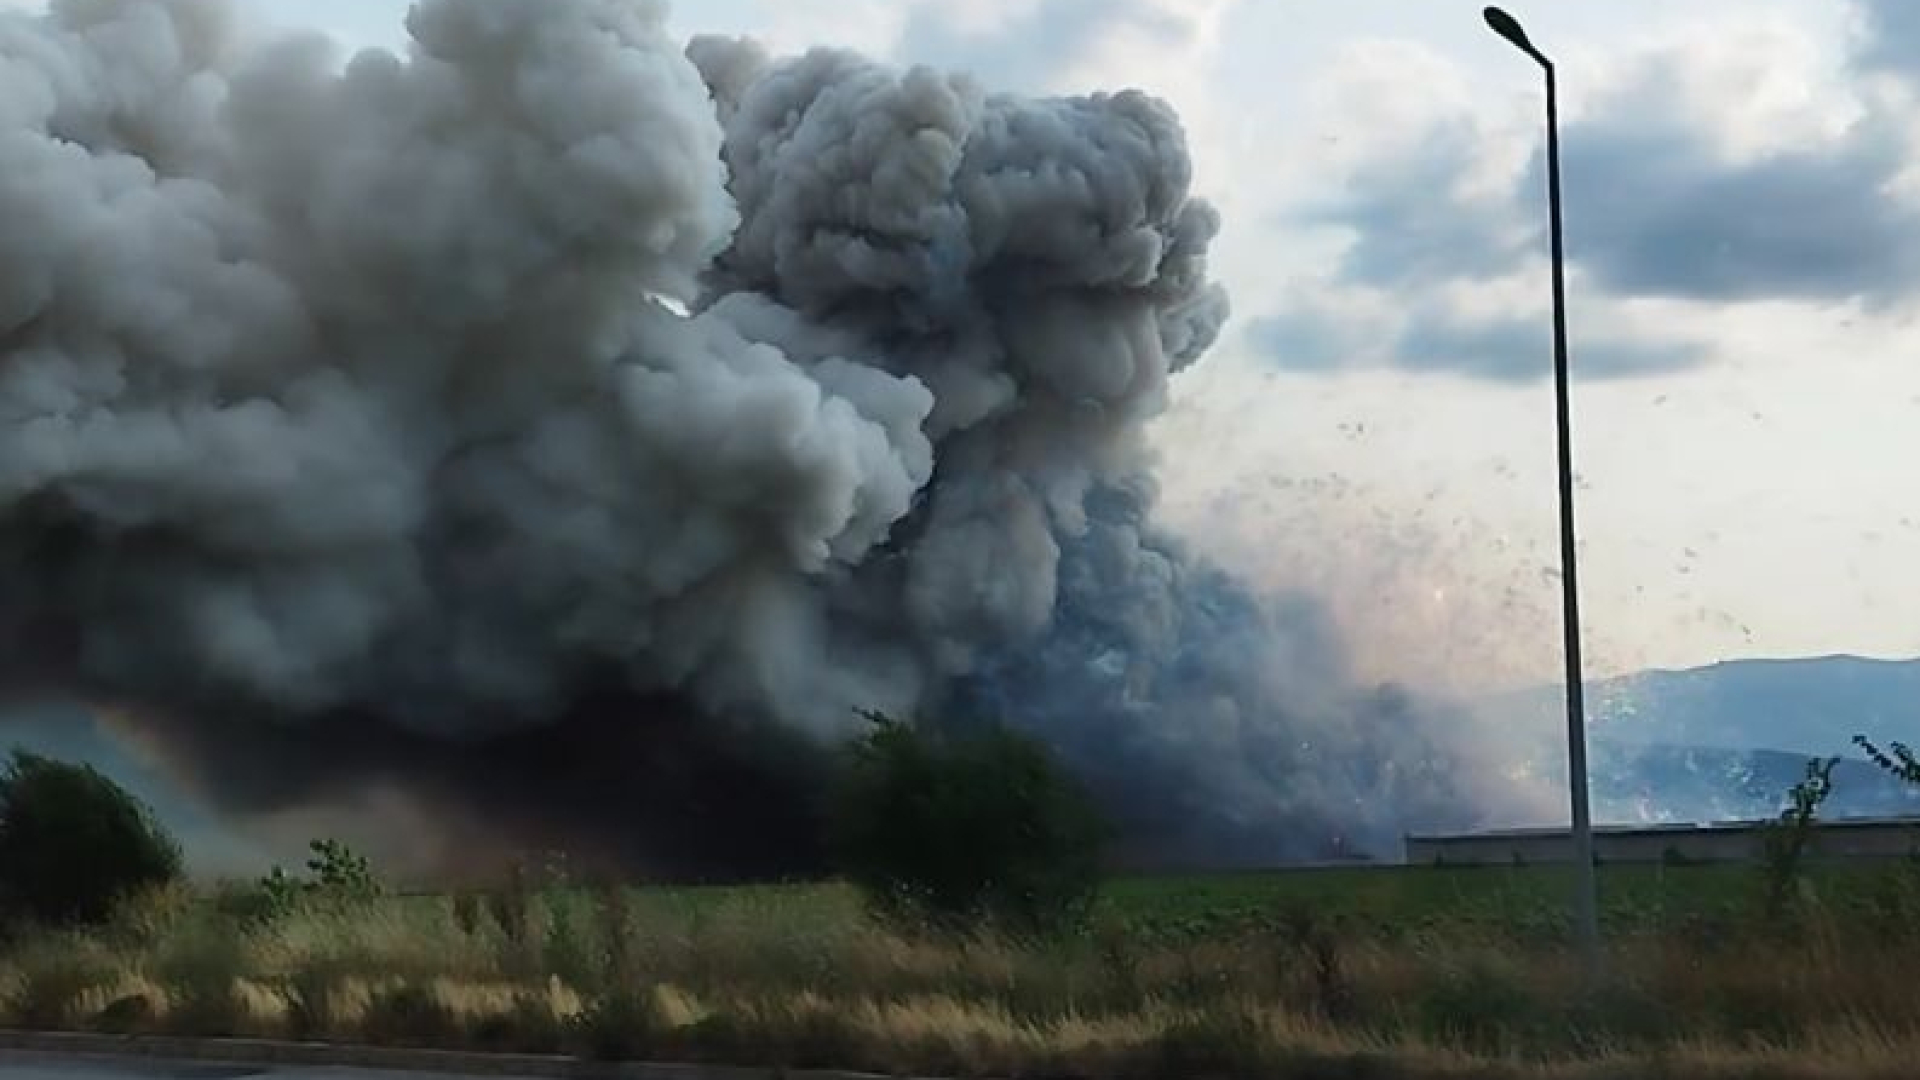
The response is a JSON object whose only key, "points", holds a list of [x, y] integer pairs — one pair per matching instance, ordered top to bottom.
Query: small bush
{"points": [[962, 830], [73, 844], [339, 871], [335, 873], [259, 903]]}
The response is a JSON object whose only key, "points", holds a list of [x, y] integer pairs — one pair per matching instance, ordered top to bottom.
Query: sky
{"points": [[1743, 212]]}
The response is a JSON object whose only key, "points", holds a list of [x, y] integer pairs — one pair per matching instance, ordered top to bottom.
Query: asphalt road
{"points": [[29, 1066]]}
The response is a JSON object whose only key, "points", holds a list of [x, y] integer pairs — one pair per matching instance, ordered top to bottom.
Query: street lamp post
{"points": [[1585, 908]]}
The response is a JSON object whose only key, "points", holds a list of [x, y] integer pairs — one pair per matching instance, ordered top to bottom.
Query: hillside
{"points": [[1728, 740]]}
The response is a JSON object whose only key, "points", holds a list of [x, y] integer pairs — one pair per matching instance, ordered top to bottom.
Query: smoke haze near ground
{"points": [[563, 400]]}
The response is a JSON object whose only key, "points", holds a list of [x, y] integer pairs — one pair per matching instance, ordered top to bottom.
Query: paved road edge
{"points": [[269, 1052]]}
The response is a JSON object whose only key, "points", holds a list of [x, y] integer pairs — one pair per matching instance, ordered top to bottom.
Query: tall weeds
{"points": [[804, 977]]}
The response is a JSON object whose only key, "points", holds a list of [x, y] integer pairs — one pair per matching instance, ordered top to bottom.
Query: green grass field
{"points": [[1508, 904], [1407, 972]]}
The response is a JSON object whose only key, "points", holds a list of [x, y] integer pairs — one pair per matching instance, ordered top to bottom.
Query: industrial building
{"points": [[1720, 841]]}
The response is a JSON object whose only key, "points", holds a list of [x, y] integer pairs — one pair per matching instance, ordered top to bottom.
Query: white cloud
{"points": [[1808, 400]]}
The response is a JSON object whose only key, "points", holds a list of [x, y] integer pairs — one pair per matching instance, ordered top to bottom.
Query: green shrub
{"points": [[957, 831], [73, 844], [339, 871], [334, 872], [259, 903]]}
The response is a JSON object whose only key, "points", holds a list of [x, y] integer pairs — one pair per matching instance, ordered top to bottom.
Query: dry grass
{"points": [[806, 979]]}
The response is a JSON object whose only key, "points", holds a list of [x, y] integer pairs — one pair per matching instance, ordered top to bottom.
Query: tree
{"points": [[959, 830], [73, 844]]}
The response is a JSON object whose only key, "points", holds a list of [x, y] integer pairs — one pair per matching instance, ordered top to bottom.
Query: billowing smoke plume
{"points": [[371, 418]]}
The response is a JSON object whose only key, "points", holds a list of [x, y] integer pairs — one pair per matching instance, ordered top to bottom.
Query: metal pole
{"points": [[1586, 908]]}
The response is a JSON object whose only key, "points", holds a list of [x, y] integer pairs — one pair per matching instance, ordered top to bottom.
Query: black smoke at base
{"points": [[621, 784]]}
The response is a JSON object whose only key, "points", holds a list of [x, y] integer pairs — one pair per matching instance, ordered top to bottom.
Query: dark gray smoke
{"points": [[357, 419]]}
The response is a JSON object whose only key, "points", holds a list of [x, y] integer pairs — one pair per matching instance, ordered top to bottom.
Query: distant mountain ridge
{"points": [[1812, 706], [1727, 740]]}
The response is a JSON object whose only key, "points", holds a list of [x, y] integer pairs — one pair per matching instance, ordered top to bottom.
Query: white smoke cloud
{"points": [[375, 383]]}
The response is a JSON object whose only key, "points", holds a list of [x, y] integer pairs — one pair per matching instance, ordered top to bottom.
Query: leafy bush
{"points": [[957, 830], [73, 844], [338, 870], [336, 873], [253, 904]]}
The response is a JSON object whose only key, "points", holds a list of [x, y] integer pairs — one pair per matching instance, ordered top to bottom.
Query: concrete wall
{"points": [[1744, 842]]}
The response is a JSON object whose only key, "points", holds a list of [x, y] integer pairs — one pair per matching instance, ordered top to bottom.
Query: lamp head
{"points": [[1509, 27]]}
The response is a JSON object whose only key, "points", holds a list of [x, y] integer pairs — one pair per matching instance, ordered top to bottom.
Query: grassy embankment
{"points": [[1378, 973]]}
